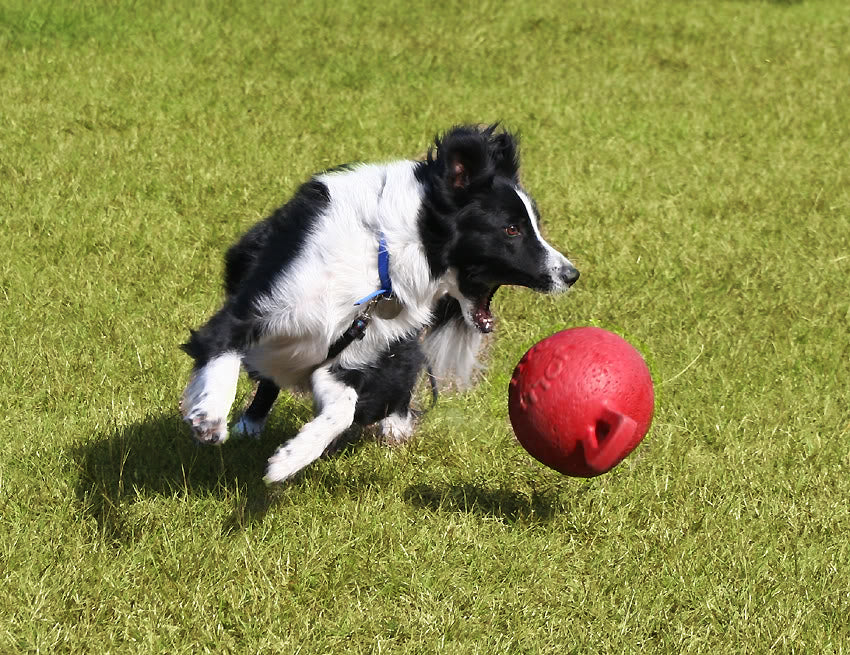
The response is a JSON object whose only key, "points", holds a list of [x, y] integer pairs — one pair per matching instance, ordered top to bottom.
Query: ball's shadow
{"points": [[502, 503]]}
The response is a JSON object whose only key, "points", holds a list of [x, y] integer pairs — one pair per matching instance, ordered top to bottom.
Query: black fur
{"points": [[460, 170], [469, 205], [250, 266], [249, 269], [386, 387], [263, 400]]}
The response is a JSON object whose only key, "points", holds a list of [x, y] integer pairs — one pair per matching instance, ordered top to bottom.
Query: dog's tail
{"points": [[451, 346]]}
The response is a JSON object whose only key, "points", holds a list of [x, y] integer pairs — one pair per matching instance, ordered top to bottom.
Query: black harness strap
{"points": [[355, 332]]}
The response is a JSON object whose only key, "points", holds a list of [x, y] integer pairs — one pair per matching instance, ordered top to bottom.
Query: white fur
{"points": [[311, 303], [452, 352], [209, 395], [335, 403], [397, 429]]}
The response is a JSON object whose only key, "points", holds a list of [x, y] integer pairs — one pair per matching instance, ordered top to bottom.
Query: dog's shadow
{"points": [[156, 456]]}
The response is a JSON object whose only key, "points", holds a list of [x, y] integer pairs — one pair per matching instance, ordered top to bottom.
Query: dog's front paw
{"points": [[207, 398], [247, 427], [206, 429], [282, 465]]}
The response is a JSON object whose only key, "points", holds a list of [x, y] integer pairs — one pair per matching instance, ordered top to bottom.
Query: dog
{"points": [[369, 275]]}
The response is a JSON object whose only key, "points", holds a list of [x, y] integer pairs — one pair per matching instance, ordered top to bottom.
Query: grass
{"points": [[691, 157]]}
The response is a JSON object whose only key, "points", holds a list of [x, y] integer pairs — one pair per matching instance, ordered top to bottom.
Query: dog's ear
{"points": [[503, 153], [471, 156], [464, 158], [459, 173]]}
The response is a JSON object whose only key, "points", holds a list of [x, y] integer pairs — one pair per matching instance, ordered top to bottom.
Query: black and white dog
{"points": [[368, 274]]}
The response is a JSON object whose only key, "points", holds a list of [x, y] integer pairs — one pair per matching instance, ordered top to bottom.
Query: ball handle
{"points": [[608, 439]]}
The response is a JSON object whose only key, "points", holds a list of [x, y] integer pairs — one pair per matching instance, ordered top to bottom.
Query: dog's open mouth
{"points": [[482, 317]]}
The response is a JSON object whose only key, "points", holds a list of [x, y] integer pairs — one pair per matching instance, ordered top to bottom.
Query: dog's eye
{"points": [[512, 231]]}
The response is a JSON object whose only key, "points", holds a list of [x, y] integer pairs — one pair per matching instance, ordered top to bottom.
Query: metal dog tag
{"points": [[388, 308]]}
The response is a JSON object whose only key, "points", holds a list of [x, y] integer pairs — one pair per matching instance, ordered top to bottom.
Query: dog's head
{"points": [[481, 227]]}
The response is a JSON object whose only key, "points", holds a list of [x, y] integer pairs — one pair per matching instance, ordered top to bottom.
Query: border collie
{"points": [[369, 274]]}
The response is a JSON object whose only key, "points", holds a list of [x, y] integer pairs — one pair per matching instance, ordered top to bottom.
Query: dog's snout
{"points": [[569, 274]]}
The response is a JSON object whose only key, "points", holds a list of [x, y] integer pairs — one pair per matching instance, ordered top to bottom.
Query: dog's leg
{"points": [[208, 397], [335, 401], [251, 423]]}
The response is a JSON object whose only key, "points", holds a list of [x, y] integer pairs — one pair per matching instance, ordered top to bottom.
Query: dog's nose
{"points": [[569, 274]]}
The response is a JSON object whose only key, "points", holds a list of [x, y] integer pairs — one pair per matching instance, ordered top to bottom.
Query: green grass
{"points": [[693, 159]]}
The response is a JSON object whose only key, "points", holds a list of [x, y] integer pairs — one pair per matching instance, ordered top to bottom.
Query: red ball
{"points": [[581, 400]]}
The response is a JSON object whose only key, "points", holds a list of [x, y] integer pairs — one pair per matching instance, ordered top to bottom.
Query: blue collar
{"points": [[386, 289]]}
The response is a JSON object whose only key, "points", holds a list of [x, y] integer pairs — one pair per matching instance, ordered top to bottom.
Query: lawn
{"points": [[692, 159]]}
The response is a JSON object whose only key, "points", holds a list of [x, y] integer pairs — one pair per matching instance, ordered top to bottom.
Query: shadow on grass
{"points": [[157, 457], [505, 504]]}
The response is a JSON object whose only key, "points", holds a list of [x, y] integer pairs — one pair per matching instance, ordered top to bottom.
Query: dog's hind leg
{"points": [[208, 397], [335, 402], [253, 419]]}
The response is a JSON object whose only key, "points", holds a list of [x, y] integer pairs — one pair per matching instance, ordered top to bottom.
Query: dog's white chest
{"points": [[286, 360]]}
